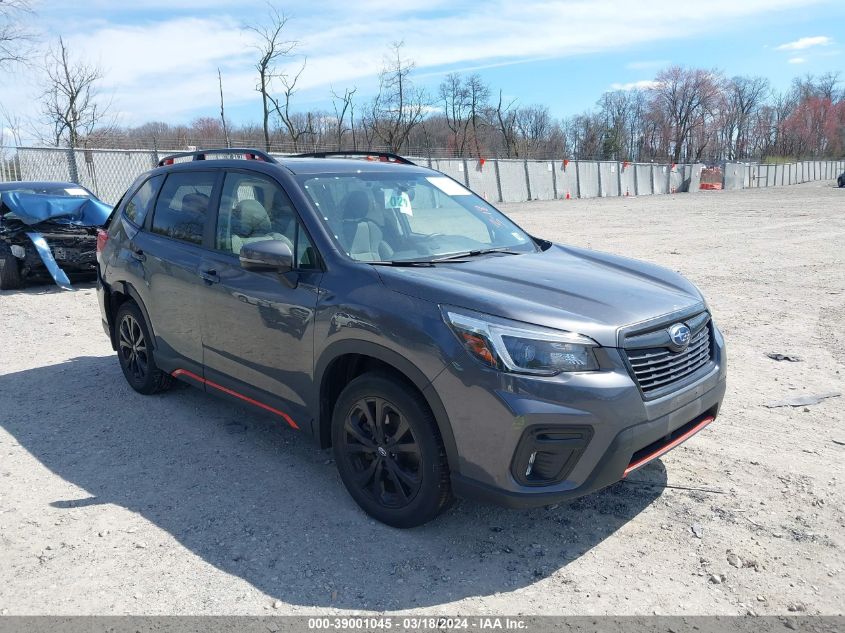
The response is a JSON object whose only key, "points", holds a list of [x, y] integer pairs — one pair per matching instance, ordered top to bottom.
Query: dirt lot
{"points": [[113, 503]]}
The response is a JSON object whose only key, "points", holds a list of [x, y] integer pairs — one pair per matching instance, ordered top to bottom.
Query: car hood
{"points": [[34, 208], [563, 287]]}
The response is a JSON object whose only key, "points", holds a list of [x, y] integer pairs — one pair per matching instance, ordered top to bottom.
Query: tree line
{"points": [[682, 115]]}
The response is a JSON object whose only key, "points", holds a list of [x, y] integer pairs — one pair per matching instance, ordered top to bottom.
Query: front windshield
{"points": [[398, 217]]}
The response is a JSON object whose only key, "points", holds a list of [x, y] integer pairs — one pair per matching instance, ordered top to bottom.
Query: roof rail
{"points": [[248, 153], [384, 157]]}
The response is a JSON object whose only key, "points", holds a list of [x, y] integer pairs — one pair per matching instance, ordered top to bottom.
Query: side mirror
{"points": [[273, 255]]}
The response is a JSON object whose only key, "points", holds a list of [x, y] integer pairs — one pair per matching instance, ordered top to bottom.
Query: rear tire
{"points": [[10, 273], [135, 354], [389, 452]]}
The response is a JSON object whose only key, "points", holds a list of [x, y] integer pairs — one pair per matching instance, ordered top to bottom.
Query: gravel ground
{"points": [[114, 503]]}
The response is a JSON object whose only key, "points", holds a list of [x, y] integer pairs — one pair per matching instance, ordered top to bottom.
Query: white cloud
{"points": [[805, 43], [797, 60], [647, 64], [166, 67], [644, 84]]}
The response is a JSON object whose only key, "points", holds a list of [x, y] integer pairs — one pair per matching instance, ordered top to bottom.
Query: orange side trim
{"points": [[192, 375], [665, 449]]}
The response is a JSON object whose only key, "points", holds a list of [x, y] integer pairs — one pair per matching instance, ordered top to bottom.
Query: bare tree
{"points": [[15, 39], [271, 47], [453, 95], [685, 96], [478, 97], [742, 97], [70, 98], [465, 102], [343, 105], [399, 106], [222, 110], [506, 118], [12, 124], [533, 124], [295, 125]]}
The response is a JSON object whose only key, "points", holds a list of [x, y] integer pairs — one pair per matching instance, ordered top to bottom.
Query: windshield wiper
{"points": [[475, 253], [453, 258], [399, 262]]}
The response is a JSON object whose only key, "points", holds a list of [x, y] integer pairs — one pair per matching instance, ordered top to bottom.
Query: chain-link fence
{"points": [[109, 172]]}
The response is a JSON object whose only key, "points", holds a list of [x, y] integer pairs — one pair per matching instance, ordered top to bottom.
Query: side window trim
{"points": [[319, 265]]}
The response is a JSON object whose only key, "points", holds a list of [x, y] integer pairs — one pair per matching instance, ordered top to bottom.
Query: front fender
{"points": [[398, 362]]}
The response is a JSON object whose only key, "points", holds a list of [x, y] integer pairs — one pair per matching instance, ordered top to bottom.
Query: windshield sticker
{"points": [[448, 186], [76, 191], [400, 200], [488, 213]]}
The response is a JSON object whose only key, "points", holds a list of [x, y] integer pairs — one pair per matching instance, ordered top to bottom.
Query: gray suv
{"points": [[392, 314]]}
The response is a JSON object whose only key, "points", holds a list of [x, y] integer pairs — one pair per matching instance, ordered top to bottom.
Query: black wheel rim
{"points": [[133, 348], [383, 452]]}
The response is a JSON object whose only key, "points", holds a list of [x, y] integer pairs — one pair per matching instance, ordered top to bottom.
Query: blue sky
{"points": [[161, 57]]}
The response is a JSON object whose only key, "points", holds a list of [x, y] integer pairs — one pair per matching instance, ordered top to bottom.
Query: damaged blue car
{"points": [[48, 229]]}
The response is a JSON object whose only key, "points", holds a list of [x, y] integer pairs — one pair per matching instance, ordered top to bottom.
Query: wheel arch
{"points": [[119, 293], [344, 360]]}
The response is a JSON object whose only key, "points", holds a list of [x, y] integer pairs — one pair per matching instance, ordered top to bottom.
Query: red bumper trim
{"points": [[193, 376], [668, 447]]}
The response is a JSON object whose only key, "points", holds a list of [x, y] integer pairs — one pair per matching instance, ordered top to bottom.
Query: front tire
{"points": [[10, 274], [134, 352], [388, 450]]}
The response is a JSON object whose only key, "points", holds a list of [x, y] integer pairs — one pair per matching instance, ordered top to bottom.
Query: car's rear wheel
{"points": [[10, 273], [135, 352], [389, 452]]}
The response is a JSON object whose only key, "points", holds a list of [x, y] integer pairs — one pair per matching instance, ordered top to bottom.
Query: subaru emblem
{"points": [[679, 334]]}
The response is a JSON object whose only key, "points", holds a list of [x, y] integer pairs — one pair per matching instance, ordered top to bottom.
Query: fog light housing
{"points": [[545, 455]]}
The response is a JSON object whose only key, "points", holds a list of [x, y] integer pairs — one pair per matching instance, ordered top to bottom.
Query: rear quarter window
{"points": [[140, 203]]}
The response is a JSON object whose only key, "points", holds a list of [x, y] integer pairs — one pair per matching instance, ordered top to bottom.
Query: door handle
{"points": [[137, 254], [210, 276]]}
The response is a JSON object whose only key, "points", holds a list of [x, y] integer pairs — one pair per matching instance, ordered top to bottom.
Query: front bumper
{"points": [[623, 429]]}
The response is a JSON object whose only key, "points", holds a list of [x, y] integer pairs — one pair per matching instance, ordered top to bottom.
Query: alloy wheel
{"points": [[133, 348], [384, 455]]}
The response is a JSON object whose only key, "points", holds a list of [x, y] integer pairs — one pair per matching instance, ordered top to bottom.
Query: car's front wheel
{"points": [[10, 275], [134, 351], [389, 452]]}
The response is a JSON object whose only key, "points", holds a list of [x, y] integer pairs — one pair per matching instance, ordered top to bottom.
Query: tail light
{"points": [[102, 238]]}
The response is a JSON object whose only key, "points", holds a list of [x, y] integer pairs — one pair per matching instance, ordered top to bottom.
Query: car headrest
{"points": [[195, 202], [357, 206], [250, 217]]}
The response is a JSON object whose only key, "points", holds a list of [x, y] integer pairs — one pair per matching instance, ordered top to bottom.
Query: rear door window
{"points": [[139, 204], [182, 209]]}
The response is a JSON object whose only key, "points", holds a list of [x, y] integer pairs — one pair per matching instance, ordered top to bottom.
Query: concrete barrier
{"points": [[109, 172], [512, 178], [627, 178], [676, 178], [540, 179], [588, 179], [483, 180], [567, 182], [644, 183]]}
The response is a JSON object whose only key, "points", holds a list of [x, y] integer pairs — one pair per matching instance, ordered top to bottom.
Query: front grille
{"points": [[659, 369]]}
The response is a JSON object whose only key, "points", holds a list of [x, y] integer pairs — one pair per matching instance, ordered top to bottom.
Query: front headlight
{"points": [[518, 347]]}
